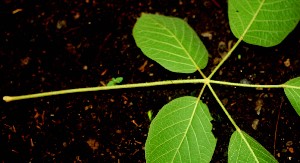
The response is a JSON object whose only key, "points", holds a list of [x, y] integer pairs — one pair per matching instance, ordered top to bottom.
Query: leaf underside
{"points": [[272, 21], [171, 42], [293, 94], [181, 132], [238, 151]]}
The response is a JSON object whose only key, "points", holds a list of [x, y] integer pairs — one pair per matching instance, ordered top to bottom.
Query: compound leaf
{"points": [[269, 21], [171, 42], [292, 92], [181, 132], [243, 148]]}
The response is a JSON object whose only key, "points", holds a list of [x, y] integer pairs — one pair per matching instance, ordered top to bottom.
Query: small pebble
{"points": [[287, 63], [85, 67], [258, 106], [254, 124], [289, 143]]}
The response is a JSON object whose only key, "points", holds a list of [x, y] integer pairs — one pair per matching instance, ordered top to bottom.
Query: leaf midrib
{"points": [[242, 36], [178, 41], [186, 131]]}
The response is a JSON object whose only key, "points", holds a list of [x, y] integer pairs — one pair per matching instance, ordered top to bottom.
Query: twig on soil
{"points": [[216, 3], [276, 127]]}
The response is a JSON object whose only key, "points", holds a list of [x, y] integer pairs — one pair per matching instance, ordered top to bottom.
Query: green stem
{"points": [[238, 42], [225, 58], [150, 84], [247, 85], [77, 90], [223, 107], [233, 122]]}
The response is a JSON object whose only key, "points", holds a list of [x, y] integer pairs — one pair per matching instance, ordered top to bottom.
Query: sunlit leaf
{"points": [[270, 21], [171, 42], [293, 93], [181, 132], [247, 149]]}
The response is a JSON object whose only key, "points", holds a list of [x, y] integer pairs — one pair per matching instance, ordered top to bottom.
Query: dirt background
{"points": [[54, 45]]}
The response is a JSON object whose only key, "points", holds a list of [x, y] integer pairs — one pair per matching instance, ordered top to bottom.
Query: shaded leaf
{"points": [[270, 20], [171, 42], [293, 93], [181, 132], [251, 151]]}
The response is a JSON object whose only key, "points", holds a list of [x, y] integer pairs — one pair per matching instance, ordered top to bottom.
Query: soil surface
{"points": [[54, 45]]}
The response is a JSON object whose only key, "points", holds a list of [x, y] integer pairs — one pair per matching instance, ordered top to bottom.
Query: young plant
{"points": [[182, 130]]}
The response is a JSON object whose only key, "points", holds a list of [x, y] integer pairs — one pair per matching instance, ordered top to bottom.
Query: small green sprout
{"points": [[239, 56], [115, 81], [150, 114]]}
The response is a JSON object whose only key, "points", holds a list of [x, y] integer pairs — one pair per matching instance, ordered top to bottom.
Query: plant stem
{"points": [[238, 42], [225, 58], [201, 73], [150, 84], [247, 85], [91, 89], [202, 90], [223, 107], [233, 122]]}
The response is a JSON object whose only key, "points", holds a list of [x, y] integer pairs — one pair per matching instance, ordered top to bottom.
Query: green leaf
{"points": [[270, 21], [171, 42], [115, 81], [293, 93], [150, 115], [181, 132], [243, 148]]}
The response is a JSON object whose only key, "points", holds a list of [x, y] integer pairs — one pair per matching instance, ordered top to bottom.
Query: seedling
{"points": [[115, 81], [150, 115], [181, 131]]}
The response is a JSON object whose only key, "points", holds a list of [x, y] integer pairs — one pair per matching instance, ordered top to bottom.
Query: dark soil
{"points": [[54, 45]]}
